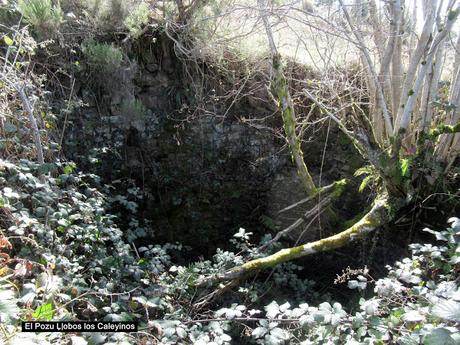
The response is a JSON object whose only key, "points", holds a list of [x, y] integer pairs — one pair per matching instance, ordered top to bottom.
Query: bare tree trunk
{"points": [[395, 7], [376, 24], [438, 40], [415, 59], [396, 66], [280, 91], [430, 93], [380, 96], [30, 113], [447, 142]]}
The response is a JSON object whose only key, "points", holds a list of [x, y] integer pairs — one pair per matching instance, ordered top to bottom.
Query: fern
{"points": [[368, 169], [371, 179], [365, 183]]}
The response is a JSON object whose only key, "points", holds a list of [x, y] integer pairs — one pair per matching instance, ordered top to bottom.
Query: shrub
{"points": [[42, 15], [109, 15], [137, 18], [102, 55], [104, 66], [80, 241], [96, 273]]}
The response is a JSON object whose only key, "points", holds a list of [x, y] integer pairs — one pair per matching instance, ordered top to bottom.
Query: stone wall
{"points": [[203, 178]]}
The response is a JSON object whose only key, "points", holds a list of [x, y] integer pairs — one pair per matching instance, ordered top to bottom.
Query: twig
{"points": [[66, 116], [316, 211]]}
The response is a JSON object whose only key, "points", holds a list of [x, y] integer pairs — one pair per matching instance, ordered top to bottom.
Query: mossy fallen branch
{"points": [[377, 216]]}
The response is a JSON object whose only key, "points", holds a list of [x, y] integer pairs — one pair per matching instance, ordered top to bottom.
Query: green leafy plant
{"points": [[107, 15], [45, 17], [137, 18], [102, 55], [104, 65], [372, 178], [9, 309], [44, 312]]}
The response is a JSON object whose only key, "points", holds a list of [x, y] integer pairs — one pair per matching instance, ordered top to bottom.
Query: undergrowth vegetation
{"points": [[42, 15], [137, 18], [65, 258]]}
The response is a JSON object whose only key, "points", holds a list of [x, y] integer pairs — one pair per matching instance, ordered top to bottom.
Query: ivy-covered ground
{"points": [[74, 246], [64, 257]]}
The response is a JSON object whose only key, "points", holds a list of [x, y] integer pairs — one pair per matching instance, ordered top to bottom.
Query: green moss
{"points": [[452, 14], [281, 93], [444, 129], [339, 187], [376, 217], [370, 221], [347, 224], [274, 259]]}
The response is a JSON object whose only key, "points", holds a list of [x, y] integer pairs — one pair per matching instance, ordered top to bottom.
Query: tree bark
{"points": [[280, 91], [405, 118], [36, 133]]}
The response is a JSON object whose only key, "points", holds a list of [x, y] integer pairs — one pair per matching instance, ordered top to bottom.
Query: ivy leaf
{"points": [[8, 40], [404, 167], [455, 223], [439, 235], [455, 260], [354, 284], [8, 306], [284, 307], [370, 307], [272, 310], [447, 310], [44, 311], [413, 316], [259, 332], [181, 333], [279, 334], [438, 336], [226, 337], [409, 340]]}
